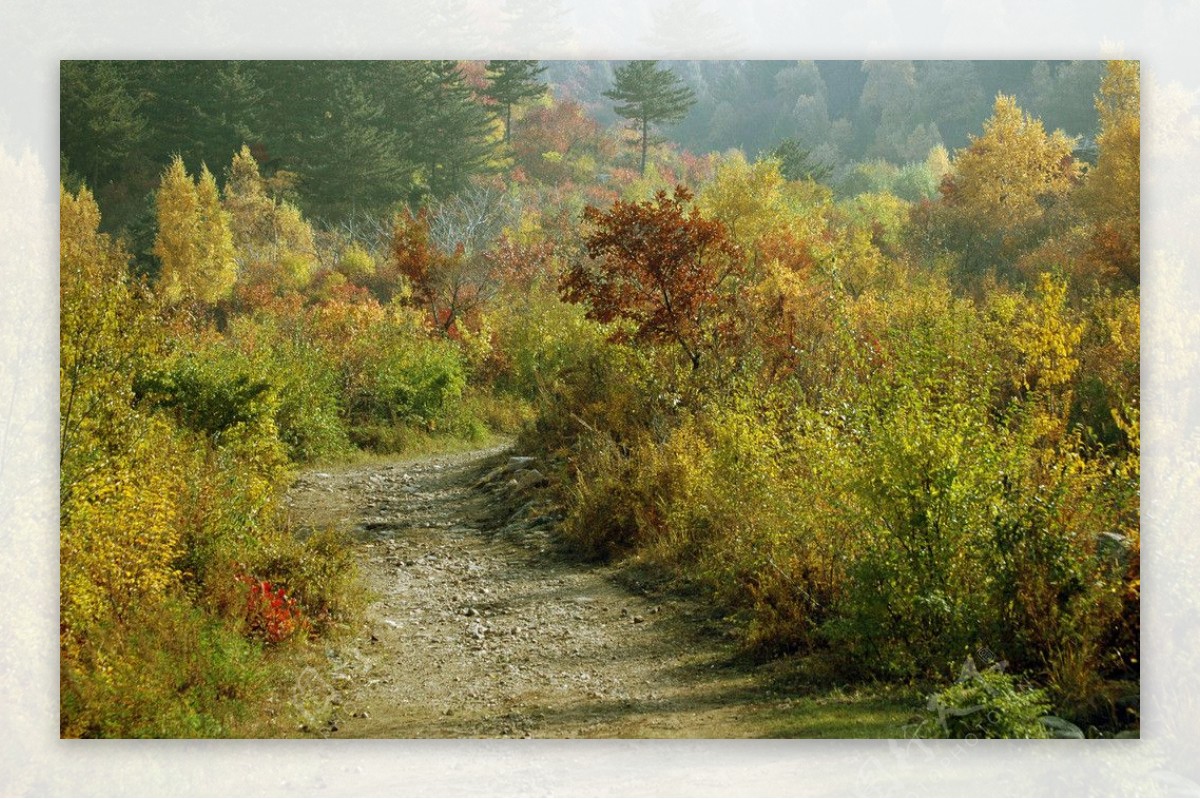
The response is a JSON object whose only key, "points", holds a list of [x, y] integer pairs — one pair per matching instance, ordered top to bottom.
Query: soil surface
{"points": [[479, 626]]}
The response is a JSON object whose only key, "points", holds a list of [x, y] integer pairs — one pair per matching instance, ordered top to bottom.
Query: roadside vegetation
{"points": [[884, 414]]}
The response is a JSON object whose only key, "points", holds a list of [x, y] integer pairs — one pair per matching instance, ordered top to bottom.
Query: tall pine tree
{"points": [[512, 82], [648, 95], [102, 121], [452, 135]]}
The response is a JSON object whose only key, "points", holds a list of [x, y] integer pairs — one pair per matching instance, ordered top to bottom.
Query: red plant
{"points": [[271, 614]]}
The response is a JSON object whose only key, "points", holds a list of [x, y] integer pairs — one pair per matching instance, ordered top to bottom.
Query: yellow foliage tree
{"points": [[938, 162], [1005, 174], [1002, 184], [1112, 193], [745, 197], [250, 209], [272, 241], [194, 242], [177, 243], [219, 268], [103, 336], [1046, 339], [119, 515]]}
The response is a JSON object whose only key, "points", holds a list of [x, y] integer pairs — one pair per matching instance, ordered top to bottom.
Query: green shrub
{"points": [[539, 339], [208, 395], [308, 397], [167, 671], [988, 704]]}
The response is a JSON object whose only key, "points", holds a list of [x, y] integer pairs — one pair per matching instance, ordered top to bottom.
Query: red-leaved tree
{"points": [[658, 265]]}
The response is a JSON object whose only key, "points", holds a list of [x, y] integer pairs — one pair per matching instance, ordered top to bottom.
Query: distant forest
{"points": [[848, 111], [364, 136]]}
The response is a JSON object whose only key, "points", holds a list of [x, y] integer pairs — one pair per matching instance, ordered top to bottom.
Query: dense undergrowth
{"points": [[877, 431], [873, 450], [186, 599]]}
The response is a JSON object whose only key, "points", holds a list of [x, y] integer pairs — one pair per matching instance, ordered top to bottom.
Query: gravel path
{"points": [[480, 628]]}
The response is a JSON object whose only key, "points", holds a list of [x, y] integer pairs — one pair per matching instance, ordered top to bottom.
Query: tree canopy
{"points": [[657, 265]]}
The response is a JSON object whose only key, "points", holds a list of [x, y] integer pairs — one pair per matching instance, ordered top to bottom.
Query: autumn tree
{"points": [[512, 82], [647, 95], [559, 143], [1002, 186], [1112, 195], [747, 199], [194, 243], [273, 243], [445, 252], [657, 265], [102, 330], [119, 488]]}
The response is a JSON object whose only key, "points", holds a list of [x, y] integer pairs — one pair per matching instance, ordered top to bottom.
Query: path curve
{"points": [[480, 628]]}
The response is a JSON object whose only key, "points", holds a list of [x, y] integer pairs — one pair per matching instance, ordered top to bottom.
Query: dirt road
{"points": [[479, 627]]}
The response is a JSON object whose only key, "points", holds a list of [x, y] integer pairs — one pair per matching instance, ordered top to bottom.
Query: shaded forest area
{"points": [[851, 349]]}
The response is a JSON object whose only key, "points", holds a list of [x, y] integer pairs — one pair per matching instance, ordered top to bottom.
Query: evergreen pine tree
{"points": [[511, 82], [648, 95], [101, 119], [453, 136]]}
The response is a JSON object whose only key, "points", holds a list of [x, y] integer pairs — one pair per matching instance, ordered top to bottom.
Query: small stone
{"points": [[638, 619]]}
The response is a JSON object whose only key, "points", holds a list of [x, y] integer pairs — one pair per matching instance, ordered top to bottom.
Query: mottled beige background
{"points": [[35, 35]]}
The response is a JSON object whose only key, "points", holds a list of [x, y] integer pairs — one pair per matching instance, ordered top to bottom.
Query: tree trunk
{"points": [[507, 121], [645, 122]]}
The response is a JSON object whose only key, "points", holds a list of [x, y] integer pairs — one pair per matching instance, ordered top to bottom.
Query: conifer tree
{"points": [[511, 82], [647, 95], [101, 118], [453, 135]]}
